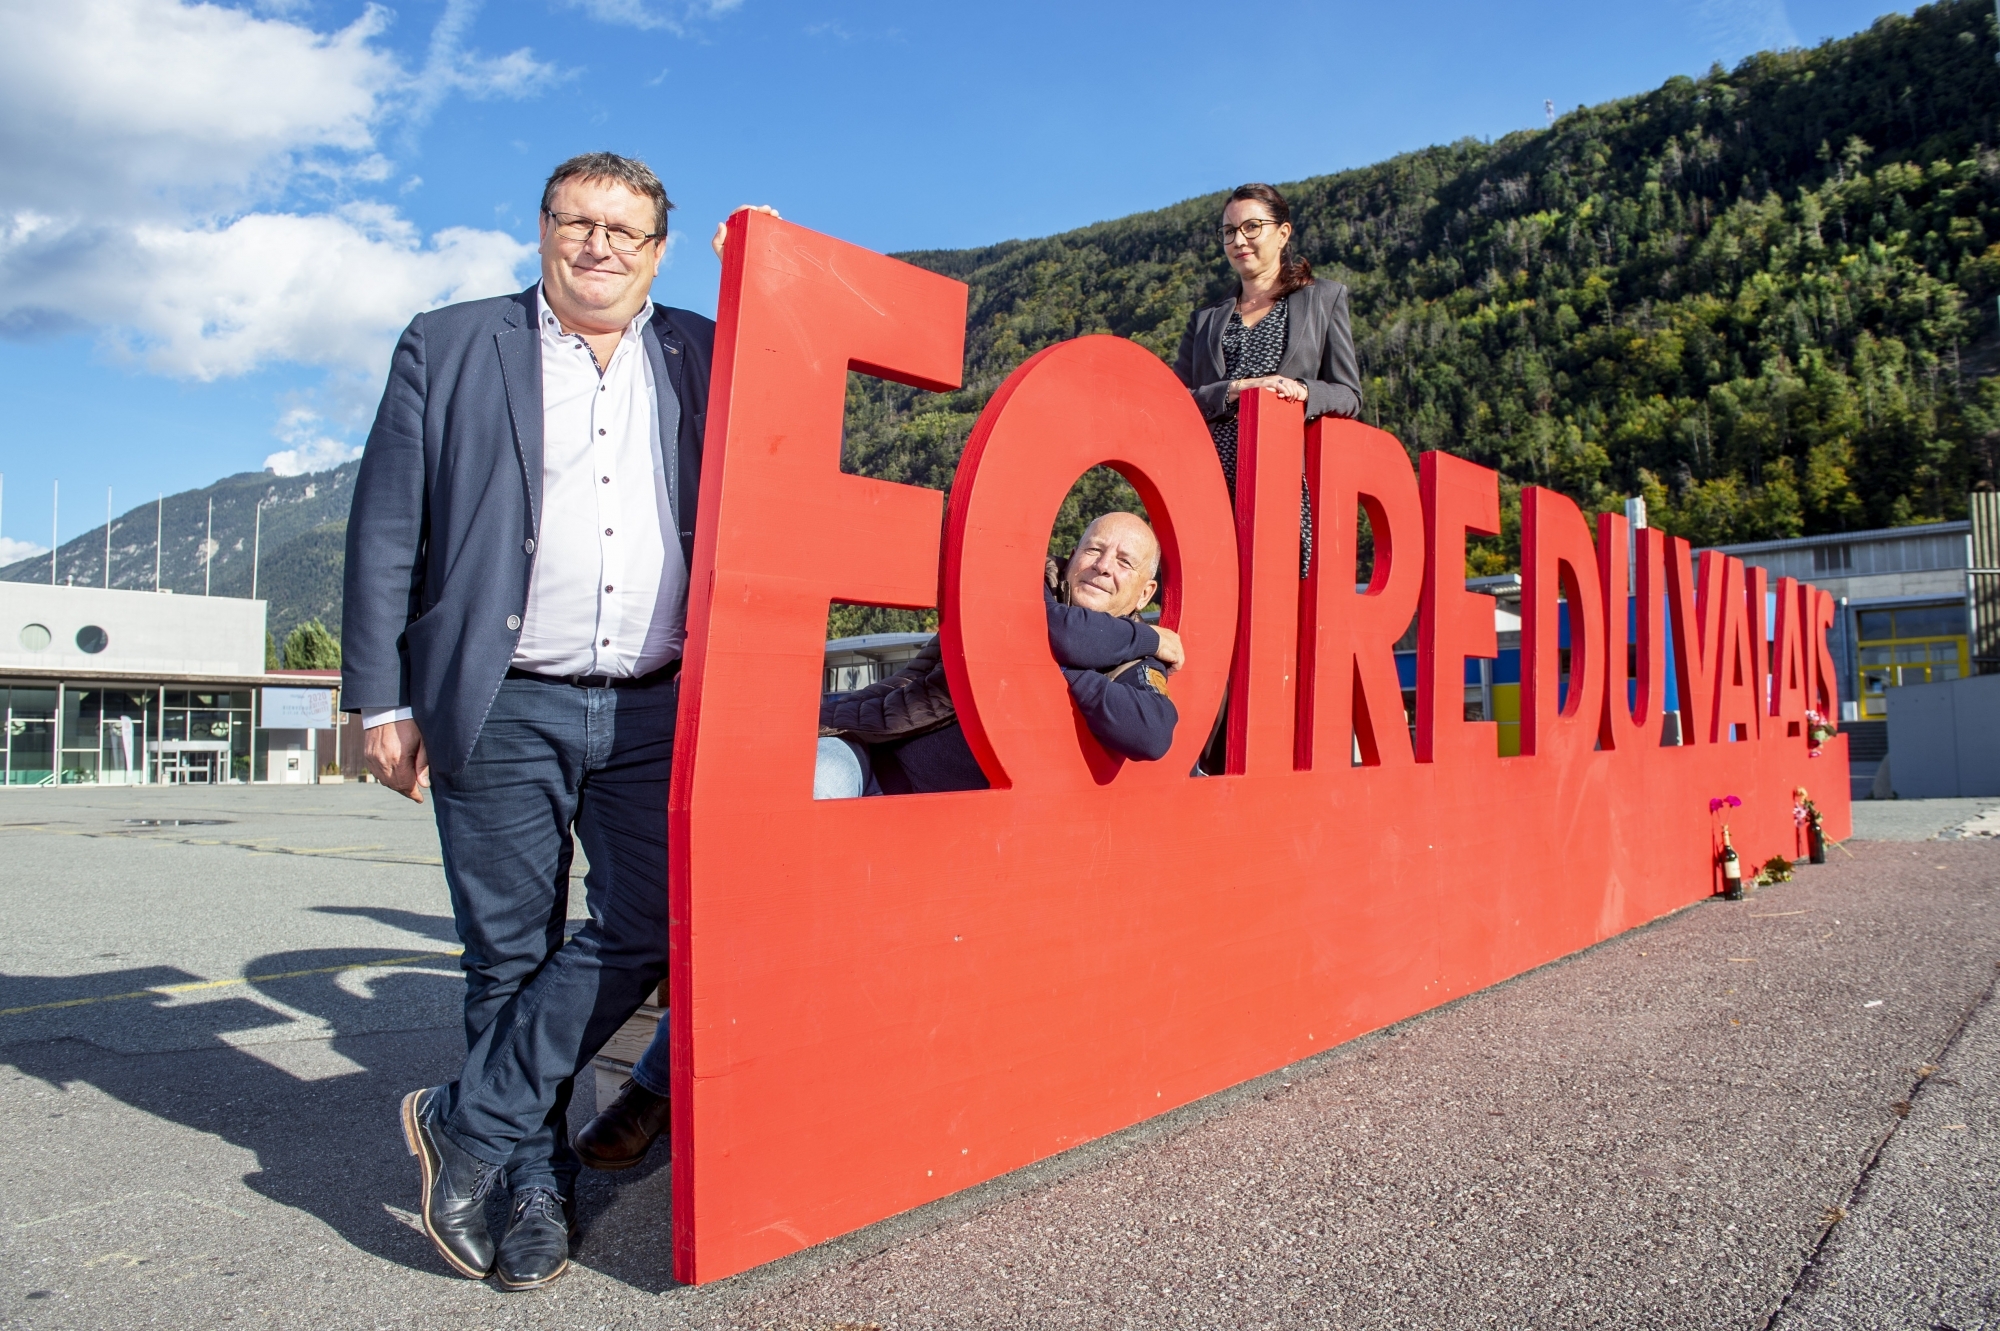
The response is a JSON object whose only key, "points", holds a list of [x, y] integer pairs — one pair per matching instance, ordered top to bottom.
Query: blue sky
{"points": [[214, 219]]}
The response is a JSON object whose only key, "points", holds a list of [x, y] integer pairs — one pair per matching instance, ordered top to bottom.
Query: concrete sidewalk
{"points": [[1780, 1108]]}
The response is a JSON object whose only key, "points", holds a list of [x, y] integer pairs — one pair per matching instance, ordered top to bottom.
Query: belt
{"points": [[647, 680]]}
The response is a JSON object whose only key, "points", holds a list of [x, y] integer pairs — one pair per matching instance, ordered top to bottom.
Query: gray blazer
{"points": [[1319, 352], [441, 536]]}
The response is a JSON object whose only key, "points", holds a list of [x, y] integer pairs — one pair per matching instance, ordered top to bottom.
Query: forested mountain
{"points": [[1763, 298], [304, 531]]}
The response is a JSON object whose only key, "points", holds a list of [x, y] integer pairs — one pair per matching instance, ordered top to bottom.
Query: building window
{"points": [[1833, 559], [35, 637], [92, 639], [1919, 644], [847, 678], [105, 734], [30, 757]]}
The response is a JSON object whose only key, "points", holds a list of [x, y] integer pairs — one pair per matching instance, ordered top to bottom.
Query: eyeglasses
{"points": [[1252, 228], [620, 238]]}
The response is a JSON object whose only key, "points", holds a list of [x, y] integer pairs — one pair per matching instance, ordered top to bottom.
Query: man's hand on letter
{"points": [[722, 227], [1170, 654], [395, 754]]}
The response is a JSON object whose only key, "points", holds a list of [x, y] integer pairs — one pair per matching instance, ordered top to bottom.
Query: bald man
{"points": [[1115, 663], [907, 730]]}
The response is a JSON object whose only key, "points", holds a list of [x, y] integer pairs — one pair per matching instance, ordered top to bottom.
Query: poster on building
{"points": [[297, 709]]}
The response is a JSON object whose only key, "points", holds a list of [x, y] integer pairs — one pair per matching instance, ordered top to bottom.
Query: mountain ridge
{"points": [[1761, 298], [299, 563]]}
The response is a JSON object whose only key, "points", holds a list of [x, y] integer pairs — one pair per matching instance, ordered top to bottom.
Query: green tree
{"points": [[1764, 298], [311, 647]]}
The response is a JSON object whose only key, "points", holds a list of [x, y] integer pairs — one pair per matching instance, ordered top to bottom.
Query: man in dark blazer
{"points": [[516, 596]]}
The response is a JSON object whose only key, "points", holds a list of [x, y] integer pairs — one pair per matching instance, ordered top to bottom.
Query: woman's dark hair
{"points": [[1293, 272]]}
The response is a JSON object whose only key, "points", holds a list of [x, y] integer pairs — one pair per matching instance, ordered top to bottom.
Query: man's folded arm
{"points": [[385, 541], [1093, 640], [1128, 715]]}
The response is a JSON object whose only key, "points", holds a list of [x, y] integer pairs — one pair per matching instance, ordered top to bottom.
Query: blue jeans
{"points": [[552, 758], [840, 772]]}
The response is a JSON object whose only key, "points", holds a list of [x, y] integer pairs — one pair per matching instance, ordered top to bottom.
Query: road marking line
{"points": [[254, 846], [168, 990], [121, 1201]]}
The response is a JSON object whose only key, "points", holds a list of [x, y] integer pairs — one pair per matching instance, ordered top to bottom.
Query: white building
{"points": [[1904, 595], [126, 688]]}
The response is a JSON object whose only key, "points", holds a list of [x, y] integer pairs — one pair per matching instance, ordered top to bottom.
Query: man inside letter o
{"points": [[516, 596], [906, 729]]}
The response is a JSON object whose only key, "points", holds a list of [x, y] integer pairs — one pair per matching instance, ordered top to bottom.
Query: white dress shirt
{"points": [[608, 591]]}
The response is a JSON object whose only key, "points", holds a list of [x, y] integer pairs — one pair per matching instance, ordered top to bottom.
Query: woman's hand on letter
{"points": [[1288, 390]]}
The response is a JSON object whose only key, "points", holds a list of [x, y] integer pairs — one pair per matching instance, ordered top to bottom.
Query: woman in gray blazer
{"points": [[1284, 330]]}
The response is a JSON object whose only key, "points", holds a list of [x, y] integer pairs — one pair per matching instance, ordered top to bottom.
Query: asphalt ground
{"points": [[1774, 1112]]}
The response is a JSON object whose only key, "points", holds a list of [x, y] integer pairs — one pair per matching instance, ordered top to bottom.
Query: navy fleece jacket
{"points": [[1129, 715]]}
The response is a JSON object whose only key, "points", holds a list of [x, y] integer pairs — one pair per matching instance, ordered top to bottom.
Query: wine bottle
{"points": [[1815, 840], [1732, 869]]}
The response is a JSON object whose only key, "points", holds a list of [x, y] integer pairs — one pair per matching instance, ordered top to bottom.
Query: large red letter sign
{"points": [[1556, 553], [1348, 692], [877, 1002]]}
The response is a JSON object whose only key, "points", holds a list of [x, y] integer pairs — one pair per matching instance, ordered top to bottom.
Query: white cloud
{"points": [[631, 13], [641, 14], [1736, 28], [449, 67], [116, 108], [171, 178], [204, 303], [310, 450], [13, 551]]}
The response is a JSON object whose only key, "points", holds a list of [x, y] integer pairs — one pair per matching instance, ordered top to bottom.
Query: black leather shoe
{"points": [[625, 1129], [453, 1206], [535, 1248]]}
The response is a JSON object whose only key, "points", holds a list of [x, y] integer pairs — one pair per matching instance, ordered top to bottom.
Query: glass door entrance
{"points": [[204, 736]]}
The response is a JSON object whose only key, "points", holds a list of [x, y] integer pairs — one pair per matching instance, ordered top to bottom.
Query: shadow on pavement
{"points": [[439, 927], [325, 1144]]}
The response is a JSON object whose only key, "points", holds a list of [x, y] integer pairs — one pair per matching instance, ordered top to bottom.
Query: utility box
{"points": [[1944, 739], [290, 760]]}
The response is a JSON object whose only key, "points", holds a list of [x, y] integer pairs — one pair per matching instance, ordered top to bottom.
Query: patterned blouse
{"points": [[1252, 353]]}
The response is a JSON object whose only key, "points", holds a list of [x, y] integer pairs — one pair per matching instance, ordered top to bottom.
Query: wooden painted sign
{"points": [[877, 1002]]}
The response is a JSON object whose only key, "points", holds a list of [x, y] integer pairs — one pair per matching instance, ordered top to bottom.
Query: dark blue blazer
{"points": [[441, 537]]}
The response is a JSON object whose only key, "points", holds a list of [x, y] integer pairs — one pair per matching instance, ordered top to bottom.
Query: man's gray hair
{"points": [[630, 172]]}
